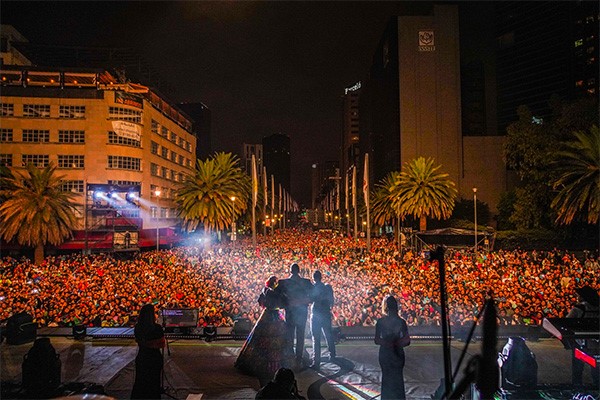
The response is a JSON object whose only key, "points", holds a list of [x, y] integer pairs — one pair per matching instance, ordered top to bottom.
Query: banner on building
{"points": [[426, 41], [129, 99], [127, 130]]}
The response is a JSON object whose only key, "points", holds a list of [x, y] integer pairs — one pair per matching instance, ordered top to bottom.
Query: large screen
{"points": [[179, 317]]}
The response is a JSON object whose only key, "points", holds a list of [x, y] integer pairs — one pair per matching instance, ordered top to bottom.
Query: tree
{"points": [[578, 167], [422, 191], [205, 196], [385, 205], [36, 211]]}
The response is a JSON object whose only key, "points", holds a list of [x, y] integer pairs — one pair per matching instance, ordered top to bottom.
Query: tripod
{"points": [[163, 388]]}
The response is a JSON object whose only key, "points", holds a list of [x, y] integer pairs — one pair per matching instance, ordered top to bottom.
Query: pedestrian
{"points": [[295, 292], [320, 320], [391, 334]]}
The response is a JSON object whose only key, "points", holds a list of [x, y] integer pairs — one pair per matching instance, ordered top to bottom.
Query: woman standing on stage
{"points": [[391, 334], [149, 360]]}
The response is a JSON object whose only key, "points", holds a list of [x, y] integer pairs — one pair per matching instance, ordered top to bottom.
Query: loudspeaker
{"points": [[241, 327], [20, 329], [79, 332], [210, 333], [41, 369]]}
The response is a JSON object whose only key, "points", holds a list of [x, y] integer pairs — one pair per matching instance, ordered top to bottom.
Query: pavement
{"points": [[196, 369]]}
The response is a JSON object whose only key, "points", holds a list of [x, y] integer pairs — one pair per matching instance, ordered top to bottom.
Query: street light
{"points": [[157, 194], [475, 212], [233, 219]]}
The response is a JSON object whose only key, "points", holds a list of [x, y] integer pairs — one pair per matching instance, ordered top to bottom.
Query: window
{"points": [[7, 110], [36, 110], [71, 112], [125, 114], [154, 127], [164, 132], [6, 135], [36, 136], [71, 136], [173, 137], [113, 138], [154, 147], [189, 147], [164, 152], [173, 156], [180, 159], [6, 160], [38, 160], [70, 161], [124, 162], [188, 162], [154, 169], [164, 172], [173, 175], [181, 177], [125, 183], [72, 186], [153, 189], [163, 212], [153, 213]]}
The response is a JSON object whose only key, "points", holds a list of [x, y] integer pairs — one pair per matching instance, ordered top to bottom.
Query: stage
{"points": [[196, 366]]}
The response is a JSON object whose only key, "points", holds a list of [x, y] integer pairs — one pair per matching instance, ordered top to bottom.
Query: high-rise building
{"points": [[545, 48], [410, 105], [201, 127], [98, 132], [350, 149], [256, 150], [276, 152]]}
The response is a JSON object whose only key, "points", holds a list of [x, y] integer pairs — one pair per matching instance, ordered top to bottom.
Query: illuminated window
{"points": [[579, 83], [36, 110], [164, 132], [6, 135], [36, 136], [71, 136], [173, 137], [164, 152], [173, 156], [38, 160], [71, 161], [72, 186]]}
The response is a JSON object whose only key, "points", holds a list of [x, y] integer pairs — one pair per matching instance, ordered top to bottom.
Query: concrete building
{"points": [[410, 106], [201, 127], [97, 131], [248, 151]]}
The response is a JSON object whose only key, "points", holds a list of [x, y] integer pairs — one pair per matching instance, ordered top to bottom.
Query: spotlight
{"points": [[97, 195], [113, 195], [131, 196]]}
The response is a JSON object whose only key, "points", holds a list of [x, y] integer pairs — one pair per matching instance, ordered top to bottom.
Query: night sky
{"points": [[261, 67]]}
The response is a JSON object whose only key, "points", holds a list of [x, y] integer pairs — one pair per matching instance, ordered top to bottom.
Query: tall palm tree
{"points": [[578, 183], [423, 191], [205, 196], [36, 211]]}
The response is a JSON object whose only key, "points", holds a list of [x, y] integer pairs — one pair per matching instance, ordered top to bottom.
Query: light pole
{"points": [[157, 194], [475, 214], [233, 219]]}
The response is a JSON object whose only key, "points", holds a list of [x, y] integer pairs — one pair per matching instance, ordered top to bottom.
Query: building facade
{"points": [[97, 131], [350, 149], [256, 150]]}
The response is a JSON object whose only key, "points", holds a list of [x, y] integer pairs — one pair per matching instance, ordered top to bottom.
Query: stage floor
{"points": [[199, 367]]}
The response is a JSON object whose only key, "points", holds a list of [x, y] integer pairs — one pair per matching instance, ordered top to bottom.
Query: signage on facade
{"points": [[426, 41], [352, 88], [129, 99], [127, 130]]}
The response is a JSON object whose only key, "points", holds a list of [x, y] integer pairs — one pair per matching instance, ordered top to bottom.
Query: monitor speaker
{"points": [[241, 327], [20, 329], [79, 332]]}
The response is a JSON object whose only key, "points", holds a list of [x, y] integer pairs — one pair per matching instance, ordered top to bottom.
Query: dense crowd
{"points": [[223, 281]]}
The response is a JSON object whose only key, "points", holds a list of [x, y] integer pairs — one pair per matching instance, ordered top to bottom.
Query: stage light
{"points": [[131, 196]]}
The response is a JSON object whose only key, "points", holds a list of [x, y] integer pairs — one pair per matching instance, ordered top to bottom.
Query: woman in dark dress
{"points": [[391, 334], [267, 347], [149, 360]]}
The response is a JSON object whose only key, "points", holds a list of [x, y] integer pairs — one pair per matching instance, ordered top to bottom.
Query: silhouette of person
{"points": [[295, 293], [320, 319], [391, 334], [149, 360], [283, 386]]}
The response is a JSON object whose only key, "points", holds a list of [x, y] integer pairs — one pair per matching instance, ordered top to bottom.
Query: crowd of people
{"points": [[223, 281]]}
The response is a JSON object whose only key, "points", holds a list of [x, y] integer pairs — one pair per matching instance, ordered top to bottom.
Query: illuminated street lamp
{"points": [[157, 194], [475, 212], [233, 219]]}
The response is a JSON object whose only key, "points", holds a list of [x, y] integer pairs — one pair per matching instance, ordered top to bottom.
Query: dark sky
{"points": [[261, 67]]}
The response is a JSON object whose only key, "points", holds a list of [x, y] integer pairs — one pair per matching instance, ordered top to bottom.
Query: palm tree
{"points": [[578, 183], [424, 192], [205, 196], [385, 199], [36, 211]]}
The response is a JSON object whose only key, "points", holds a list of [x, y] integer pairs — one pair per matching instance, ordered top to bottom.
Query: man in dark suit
{"points": [[295, 292], [320, 319]]}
